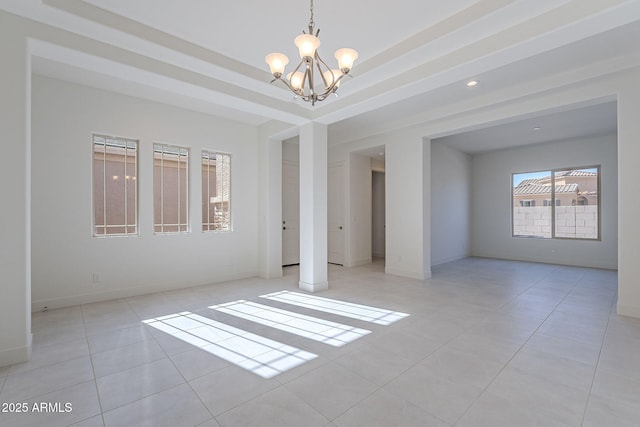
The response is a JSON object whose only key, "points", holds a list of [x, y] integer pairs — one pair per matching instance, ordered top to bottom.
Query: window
{"points": [[216, 183], [115, 189], [170, 189], [575, 213]]}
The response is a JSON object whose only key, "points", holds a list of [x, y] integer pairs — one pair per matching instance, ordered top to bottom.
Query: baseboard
{"points": [[449, 259], [545, 260], [360, 262], [408, 274], [271, 275], [313, 287], [111, 294], [628, 310], [16, 355]]}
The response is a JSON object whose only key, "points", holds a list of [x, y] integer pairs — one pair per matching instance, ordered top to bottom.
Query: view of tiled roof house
{"points": [[573, 188], [576, 205]]}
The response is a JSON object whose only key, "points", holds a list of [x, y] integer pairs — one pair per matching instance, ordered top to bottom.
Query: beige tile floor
{"points": [[487, 343]]}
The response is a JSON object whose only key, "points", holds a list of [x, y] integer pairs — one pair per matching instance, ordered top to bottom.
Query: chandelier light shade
{"points": [[307, 45], [346, 57], [277, 62], [302, 80]]}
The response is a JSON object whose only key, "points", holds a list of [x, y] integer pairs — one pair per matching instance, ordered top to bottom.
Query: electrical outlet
{"points": [[96, 277]]}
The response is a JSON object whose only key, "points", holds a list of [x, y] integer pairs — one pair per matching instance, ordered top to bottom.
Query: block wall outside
{"points": [[571, 221]]}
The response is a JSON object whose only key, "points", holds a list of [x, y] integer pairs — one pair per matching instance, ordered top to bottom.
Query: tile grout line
{"points": [[443, 345], [517, 351], [137, 366], [93, 370], [595, 370], [2, 381], [186, 381], [280, 385], [284, 385], [381, 387], [378, 388], [356, 403]]}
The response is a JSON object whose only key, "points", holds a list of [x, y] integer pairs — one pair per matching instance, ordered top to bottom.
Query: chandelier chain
{"points": [[311, 23]]}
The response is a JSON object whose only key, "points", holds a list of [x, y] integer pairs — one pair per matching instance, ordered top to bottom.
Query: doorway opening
{"points": [[290, 202], [336, 214], [377, 216]]}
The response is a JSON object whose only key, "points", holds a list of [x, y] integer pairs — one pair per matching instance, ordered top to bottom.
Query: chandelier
{"points": [[302, 80]]}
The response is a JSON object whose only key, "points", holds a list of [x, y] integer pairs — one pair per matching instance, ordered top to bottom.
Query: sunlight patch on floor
{"points": [[367, 313], [325, 331], [262, 356]]}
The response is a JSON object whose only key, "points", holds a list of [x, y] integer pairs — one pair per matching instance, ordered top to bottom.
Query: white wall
{"points": [[407, 198], [629, 202], [450, 204], [407, 208], [359, 210], [491, 218], [15, 227], [65, 255]]}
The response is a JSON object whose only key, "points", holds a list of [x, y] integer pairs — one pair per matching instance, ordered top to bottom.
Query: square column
{"points": [[313, 208]]}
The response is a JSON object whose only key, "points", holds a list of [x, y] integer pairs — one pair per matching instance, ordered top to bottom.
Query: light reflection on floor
{"points": [[375, 315], [325, 331], [262, 356]]}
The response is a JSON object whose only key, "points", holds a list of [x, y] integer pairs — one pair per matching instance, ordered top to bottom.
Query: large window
{"points": [[216, 185], [115, 189], [170, 189], [575, 214]]}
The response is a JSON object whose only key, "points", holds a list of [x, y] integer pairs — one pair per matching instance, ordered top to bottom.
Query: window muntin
{"points": [[115, 189], [170, 189], [216, 191], [575, 213]]}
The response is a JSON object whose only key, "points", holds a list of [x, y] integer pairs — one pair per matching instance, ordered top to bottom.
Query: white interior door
{"points": [[290, 213], [335, 214]]}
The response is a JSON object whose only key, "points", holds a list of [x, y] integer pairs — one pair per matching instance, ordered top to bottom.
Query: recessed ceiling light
{"points": [[472, 83], [536, 129]]}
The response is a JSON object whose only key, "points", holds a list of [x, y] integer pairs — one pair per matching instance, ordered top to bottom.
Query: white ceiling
{"points": [[415, 56], [599, 119]]}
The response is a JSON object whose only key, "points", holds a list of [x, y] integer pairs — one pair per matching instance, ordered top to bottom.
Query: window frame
{"points": [[552, 206], [187, 215], [136, 224], [209, 224]]}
